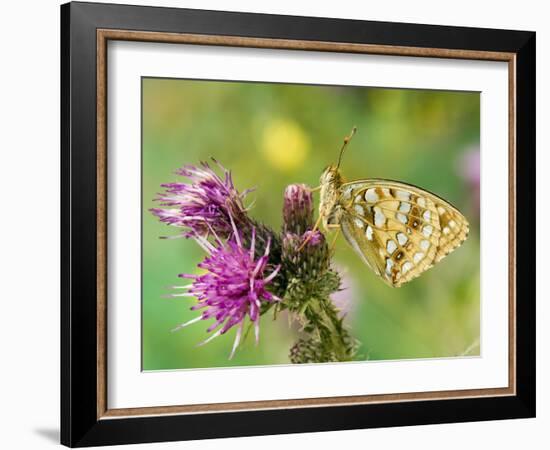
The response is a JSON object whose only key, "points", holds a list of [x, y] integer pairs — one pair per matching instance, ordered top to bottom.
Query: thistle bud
{"points": [[298, 209], [307, 255]]}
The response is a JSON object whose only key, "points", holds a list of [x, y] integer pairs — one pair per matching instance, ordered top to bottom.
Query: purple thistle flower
{"points": [[204, 204], [234, 287]]}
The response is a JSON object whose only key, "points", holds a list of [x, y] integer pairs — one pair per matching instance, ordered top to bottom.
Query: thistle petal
{"points": [[183, 325], [237, 340]]}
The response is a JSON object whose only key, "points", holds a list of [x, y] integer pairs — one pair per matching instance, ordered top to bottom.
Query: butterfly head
{"points": [[331, 175]]}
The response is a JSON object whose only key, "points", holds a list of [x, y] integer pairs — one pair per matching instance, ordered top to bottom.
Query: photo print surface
{"points": [[292, 224]]}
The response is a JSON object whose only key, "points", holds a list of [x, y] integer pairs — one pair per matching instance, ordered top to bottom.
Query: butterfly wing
{"points": [[399, 230]]}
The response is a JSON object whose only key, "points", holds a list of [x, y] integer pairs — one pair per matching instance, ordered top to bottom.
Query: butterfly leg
{"points": [[333, 243]]}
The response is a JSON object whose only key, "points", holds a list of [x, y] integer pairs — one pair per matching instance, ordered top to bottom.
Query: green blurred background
{"points": [[271, 135]]}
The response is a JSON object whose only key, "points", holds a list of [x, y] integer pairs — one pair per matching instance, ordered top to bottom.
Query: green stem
{"points": [[330, 329]]}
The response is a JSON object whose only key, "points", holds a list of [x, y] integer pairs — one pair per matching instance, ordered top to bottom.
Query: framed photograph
{"points": [[276, 224]]}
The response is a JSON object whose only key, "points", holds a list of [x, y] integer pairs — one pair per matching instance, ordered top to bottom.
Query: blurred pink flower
{"points": [[470, 171], [344, 298]]}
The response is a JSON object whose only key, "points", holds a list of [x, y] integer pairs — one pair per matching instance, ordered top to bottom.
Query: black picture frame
{"points": [[80, 424]]}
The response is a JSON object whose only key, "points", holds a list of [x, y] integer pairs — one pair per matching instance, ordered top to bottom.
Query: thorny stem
{"points": [[330, 330]]}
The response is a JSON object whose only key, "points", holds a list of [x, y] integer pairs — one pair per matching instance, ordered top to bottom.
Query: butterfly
{"points": [[399, 230]]}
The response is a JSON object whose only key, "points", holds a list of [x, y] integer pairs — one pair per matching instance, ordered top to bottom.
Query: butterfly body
{"points": [[330, 209], [397, 229]]}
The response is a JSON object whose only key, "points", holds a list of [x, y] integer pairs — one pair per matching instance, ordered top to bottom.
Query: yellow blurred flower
{"points": [[284, 144]]}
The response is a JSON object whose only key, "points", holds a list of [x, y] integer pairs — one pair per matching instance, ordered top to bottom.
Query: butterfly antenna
{"points": [[344, 145]]}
